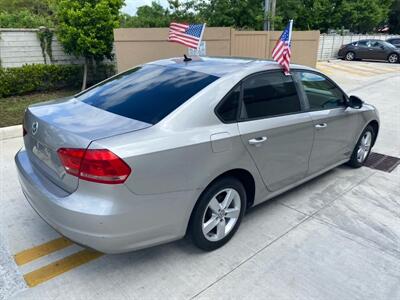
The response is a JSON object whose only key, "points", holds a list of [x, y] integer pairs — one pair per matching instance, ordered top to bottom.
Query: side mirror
{"points": [[382, 47], [355, 102]]}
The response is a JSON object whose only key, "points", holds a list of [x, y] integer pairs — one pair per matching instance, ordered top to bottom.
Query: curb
{"points": [[10, 132]]}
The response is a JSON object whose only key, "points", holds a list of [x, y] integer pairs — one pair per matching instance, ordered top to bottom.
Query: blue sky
{"points": [[132, 5]]}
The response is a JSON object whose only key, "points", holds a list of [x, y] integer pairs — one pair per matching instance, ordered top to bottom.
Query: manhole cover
{"points": [[382, 162]]}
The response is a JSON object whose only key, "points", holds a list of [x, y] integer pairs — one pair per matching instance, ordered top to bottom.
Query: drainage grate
{"points": [[382, 162]]}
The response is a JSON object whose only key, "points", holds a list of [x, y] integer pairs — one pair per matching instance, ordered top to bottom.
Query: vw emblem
{"points": [[35, 127]]}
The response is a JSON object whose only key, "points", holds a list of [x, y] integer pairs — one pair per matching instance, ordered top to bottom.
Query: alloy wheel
{"points": [[350, 56], [393, 58], [364, 147], [221, 214]]}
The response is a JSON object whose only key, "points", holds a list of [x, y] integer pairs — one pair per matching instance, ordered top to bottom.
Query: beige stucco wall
{"points": [[135, 46]]}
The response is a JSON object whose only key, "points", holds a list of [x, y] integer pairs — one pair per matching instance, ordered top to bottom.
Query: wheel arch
{"points": [[375, 125], [244, 176]]}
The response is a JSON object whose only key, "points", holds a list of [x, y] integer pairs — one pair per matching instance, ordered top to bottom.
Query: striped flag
{"points": [[186, 34], [281, 52]]}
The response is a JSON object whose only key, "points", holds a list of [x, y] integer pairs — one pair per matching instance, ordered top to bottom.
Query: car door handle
{"points": [[321, 125], [258, 140]]}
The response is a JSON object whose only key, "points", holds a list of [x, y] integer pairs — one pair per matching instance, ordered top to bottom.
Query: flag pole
{"points": [[290, 31], [201, 36]]}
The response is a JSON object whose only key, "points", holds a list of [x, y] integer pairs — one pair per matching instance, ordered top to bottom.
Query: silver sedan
{"points": [[177, 147]]}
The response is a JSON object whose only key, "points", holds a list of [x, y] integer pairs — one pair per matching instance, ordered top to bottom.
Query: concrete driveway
{"points": [[336, 237]]}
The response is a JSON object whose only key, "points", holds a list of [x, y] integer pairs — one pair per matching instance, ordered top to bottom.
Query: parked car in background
{"points": [[394, 41], [370, 49], [174, 147]]}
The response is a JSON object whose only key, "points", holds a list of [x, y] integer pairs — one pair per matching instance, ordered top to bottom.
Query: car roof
{"points": [[221, 66]]}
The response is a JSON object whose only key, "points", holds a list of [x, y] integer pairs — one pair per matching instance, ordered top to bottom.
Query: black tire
{"points": [[350, 56], [393, 58], [354, 161], [202, 208]]}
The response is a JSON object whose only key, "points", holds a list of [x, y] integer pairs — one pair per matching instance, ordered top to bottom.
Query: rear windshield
{"points": [[147, 93]]}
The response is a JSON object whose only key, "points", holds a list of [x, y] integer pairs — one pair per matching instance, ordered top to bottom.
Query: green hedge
{"points": [[40, 77]]}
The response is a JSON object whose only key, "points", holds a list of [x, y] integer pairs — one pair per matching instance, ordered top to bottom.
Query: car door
{"points": [[361, 49], [377, 51], [336, 126], [275, 129]]}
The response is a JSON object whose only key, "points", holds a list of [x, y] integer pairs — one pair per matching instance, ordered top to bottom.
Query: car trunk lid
{"points": [[68, 123]]}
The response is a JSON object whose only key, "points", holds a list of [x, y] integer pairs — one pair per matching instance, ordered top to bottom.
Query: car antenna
{"points": [[185, 58]]}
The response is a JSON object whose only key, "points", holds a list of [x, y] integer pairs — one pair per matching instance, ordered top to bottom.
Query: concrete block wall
{"points": [[329, 45], [22, 46]]}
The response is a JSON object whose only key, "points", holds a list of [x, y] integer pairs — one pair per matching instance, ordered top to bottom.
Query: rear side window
{"points": [[148, 93], [321, 93], [269, 94], [228, 110]]}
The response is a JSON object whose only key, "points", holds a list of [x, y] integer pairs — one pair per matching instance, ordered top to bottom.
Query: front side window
{"points": [[376, 44], [147, 93], [321, 93], [269, 94], [228, 109]]}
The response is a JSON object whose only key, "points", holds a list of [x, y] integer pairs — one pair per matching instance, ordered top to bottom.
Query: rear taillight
{"points": [[97, 165]]}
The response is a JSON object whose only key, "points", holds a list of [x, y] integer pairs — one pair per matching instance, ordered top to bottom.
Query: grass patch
{"points": [[12, 108]]}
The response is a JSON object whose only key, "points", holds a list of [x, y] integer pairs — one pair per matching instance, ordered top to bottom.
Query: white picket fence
{"points": [[329, 44]]}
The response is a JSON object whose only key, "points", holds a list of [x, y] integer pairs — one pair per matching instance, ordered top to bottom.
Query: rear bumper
{"points": [[108, 218]]}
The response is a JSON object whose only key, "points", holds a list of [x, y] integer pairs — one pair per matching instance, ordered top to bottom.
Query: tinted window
{"points": [[363, 43], [376, 44], [389, 45], [147, 93], [321, 93], [269, 94], [228, 109]]}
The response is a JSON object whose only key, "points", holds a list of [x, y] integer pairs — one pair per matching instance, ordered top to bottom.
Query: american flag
{"points": [[187, 34], [281, 53]]}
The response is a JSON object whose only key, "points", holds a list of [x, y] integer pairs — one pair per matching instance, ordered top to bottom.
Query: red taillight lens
{"points": [[71, 159], [97, 165]]}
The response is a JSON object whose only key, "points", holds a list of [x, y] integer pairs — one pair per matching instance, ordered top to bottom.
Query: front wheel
{"points": [[393, 58], [363, 148], [218, 213]]}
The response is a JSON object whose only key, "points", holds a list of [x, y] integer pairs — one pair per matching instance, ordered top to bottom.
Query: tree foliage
{"points": [[36, 7], [25, 13], [236, 13], [155, 15], [359, 16], [394, 17], [24, 19], [85, 28]]}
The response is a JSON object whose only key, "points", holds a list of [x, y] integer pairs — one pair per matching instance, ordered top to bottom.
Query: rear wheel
{"points": [[350, 56], [393, 58], [363, 148], [218, 213]]}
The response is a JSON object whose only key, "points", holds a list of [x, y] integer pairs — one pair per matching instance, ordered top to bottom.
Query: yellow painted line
{"points": [[364, 68], [371, 69], [325, 70], [348, 70], [31, 254], [60, 266]]}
